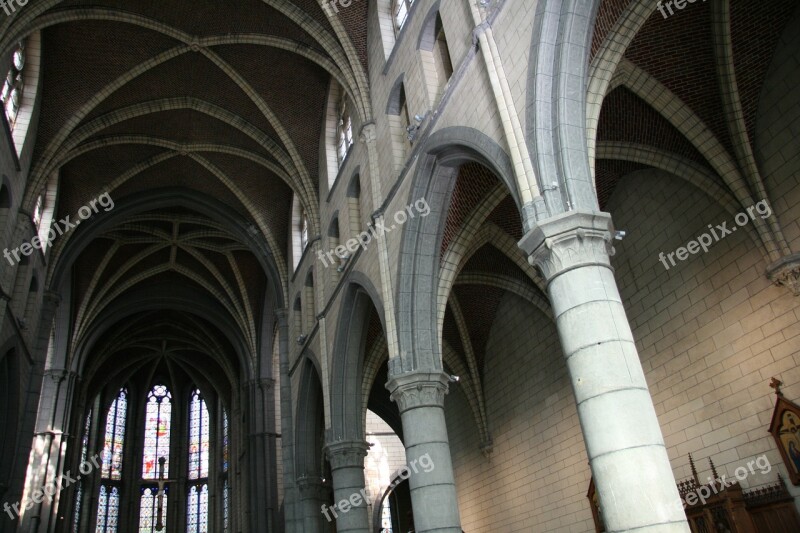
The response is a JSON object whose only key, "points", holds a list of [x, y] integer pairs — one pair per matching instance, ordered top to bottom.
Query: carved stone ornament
{"points": [[570, 240], [786, 272], [417, 389]]}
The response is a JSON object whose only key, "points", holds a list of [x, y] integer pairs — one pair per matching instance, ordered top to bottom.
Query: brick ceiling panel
{"points": [[607, 15], [209, 17], [354, 18], [756, 27], [679, 53], [80, 58], [189, 75], [297, 95], [627, 118], [185, 126], [181, 172], [85, 176], [472, 185], [270, 195], [506, 216], [490, 260], [479, 304]]}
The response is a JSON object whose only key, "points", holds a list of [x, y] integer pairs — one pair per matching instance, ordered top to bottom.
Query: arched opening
{"points": [[435, 54], [20, 87], [400, 124], [354, 204]]}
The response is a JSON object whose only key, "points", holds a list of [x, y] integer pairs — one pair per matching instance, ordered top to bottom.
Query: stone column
{"points": [[420, 398], [262, 455], [629, 461], [349, 486], [313, 499], [292, 518]]}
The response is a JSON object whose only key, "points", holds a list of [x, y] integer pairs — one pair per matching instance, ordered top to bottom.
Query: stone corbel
{"points": [[786, 272]]}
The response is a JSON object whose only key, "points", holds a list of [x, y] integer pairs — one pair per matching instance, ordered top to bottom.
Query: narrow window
{"points": [[13, 86], [157, 431]]}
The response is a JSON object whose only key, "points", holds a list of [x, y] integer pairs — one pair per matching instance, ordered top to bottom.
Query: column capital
{"points": [[570, 240], [281, 313], [418, 389], [346, 453], [312, 488]]}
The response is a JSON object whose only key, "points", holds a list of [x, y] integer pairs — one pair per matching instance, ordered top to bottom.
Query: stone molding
{"points": [[571, 240], [418, 389], [346, 454]]}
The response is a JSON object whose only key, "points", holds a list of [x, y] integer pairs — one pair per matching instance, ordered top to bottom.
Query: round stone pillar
{"points": [[420, 398], [629, 461], [349, 487], [313, 501]]}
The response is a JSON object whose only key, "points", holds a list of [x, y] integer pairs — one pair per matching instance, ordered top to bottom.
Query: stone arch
{"points": [[556, 111], [435, 178], [347, 370], [310, 428]]}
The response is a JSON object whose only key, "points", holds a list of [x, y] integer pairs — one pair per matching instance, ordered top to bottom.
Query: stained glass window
{"points": [[157, 431], [115, 437], [198, 437], [226, 445], [226, 489], [225, 505], [107, 510], [76, 514], [148, 515], [197, 515], [76, 517], [386, 517]]}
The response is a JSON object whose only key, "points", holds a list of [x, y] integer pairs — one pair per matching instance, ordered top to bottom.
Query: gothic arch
{"points": [[434, 180], [349, 354], [310, 430]]}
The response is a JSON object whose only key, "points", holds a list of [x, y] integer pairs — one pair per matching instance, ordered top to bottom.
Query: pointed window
{"points": [[400, 10], [11, 94], [344, 128], [158, 419], [115, 437], [199, 444], [225, 464], [107, 510], [76, 516], [148, 516]]}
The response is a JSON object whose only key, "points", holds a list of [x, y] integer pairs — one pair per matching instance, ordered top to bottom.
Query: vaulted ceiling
{"points": [[223, 101]]}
